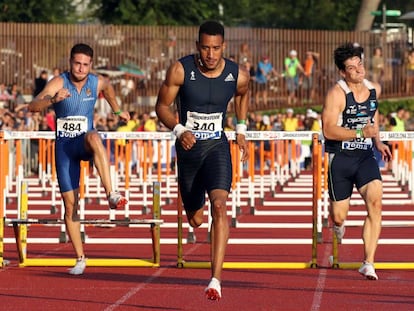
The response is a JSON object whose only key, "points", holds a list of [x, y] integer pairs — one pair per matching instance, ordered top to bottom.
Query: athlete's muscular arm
{"points": [[108, 92], [52, 93], [166, 96], [241, 98], [241, 103], [333, 106], [381, 147]]}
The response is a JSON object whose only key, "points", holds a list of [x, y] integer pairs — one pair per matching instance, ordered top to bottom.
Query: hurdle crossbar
{"points": [[20, 232], [335, 263], [248, 265], [378, 265]]}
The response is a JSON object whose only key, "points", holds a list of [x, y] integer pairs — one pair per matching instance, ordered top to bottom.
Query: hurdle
{"points": [[3, 153], [402, 170], [20, 232], [181, 263]]}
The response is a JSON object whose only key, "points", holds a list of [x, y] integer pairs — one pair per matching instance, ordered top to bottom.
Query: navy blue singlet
{"points": [[202, 106], [355, 116], [352, 162]]}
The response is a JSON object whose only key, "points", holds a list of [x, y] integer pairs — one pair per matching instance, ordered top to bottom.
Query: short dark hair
{"points": [[211, 28], [81, 48], [346, 51]]}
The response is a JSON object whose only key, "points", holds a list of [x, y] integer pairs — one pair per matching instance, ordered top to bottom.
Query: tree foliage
{"points": [[38, 11], [155, 12], [288, 14]]}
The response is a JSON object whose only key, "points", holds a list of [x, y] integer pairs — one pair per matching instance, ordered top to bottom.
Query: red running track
{"points": [[172, 288]]}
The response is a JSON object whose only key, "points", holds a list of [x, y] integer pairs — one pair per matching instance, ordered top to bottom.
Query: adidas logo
{"points": [[229, 78]]}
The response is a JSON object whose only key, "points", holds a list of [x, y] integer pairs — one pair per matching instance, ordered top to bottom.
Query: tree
{"points": [[38, 11], [155, 12], [287, 14], [292, 14], [365, 19]]}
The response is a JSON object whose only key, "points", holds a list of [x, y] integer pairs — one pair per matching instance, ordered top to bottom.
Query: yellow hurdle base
{"points": [[91, 262], [249, 265], [378, 265]]}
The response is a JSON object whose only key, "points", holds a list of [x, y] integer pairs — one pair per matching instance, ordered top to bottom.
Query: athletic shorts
{"points": [[291, 84], [260, 87], [68, 153], [206, 167], [349, 169]]}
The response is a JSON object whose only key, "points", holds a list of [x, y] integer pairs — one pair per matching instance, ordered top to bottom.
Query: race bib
{"points": [[72, 126], [205, 126], [357, 144]]}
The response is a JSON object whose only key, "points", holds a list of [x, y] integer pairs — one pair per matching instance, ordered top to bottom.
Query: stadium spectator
{"points": [[292, 68]]}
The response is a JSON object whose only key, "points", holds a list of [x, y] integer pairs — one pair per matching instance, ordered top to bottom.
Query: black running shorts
{"points": [[206, 167], [349, 169]]}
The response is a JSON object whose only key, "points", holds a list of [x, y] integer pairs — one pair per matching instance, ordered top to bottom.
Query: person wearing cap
{"points": [[292, 66], [264, 73], [290, 123], [310, 123], [150, 124], [350, 126]]}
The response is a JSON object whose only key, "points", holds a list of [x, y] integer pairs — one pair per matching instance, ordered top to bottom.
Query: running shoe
{"points": [[116, 200], [339, 231], [79, 266], [367, 269], [213, 290]]}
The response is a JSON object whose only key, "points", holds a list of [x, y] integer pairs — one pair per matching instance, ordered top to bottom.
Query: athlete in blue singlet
{"points": [[203, 85], [73, 95], [350, 127]]}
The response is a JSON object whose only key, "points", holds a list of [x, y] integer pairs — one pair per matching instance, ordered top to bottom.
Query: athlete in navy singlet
{"points": [[203, 84], [73, 95], [351, 131]]}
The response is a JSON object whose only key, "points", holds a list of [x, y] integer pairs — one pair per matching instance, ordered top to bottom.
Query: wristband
{"points": [[118, 112], [241, 121], [179, 129], [241, 129], [359, 133]]}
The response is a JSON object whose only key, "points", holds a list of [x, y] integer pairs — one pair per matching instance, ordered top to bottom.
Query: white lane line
{"points": [[149, 280], [320, 284]]}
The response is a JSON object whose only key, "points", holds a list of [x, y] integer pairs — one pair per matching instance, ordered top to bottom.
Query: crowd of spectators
{"points": [[299, 76], [14, 116]]}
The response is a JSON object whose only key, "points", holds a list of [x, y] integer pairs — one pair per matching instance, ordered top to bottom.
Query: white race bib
{"points": [[72, 126], [205, 126], [357, 144]]}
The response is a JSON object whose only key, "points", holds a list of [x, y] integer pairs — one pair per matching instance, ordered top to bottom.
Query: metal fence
{"points": [[136, 57]]}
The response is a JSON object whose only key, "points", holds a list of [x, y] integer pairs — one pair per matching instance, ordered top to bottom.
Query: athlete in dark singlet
{"points": [[203, 85], [73, 95], [350, 127]]}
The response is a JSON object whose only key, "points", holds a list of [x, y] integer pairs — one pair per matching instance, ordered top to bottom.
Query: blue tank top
{"points": [[203, 101], [74, 115], [355, 116]]}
